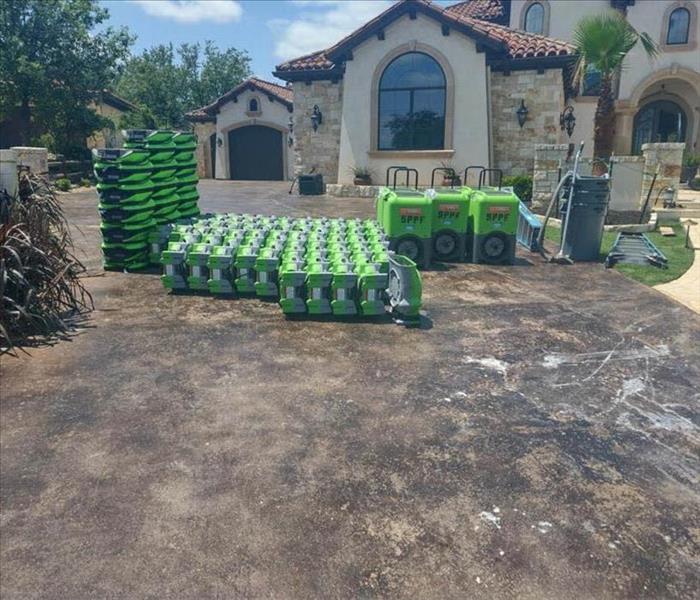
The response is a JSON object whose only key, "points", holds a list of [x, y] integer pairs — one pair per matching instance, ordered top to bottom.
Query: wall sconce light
{"points": [[522, 113], [316, 117], [567, 120], [290, 125], [219, 141], [290, 141]]}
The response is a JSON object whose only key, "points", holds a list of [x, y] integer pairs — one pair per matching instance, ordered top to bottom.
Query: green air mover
{"points": [[493, 218], [197, 260], [244, 262], [266, 266], [174, 267], [221, 271], [318, 281], [292, 284], [371, 285], [343, 287], [404, 287]]}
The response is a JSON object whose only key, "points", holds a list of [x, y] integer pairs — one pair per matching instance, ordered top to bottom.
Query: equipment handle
{"points": [[449, 170], [466, 171], [388, 173], [482, 176]]}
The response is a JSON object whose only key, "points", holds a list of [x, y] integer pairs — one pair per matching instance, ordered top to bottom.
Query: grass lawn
{"points": [[679, 257]]}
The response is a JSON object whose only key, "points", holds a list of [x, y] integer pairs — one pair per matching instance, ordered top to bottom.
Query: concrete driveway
{"points": [[537, 438]]}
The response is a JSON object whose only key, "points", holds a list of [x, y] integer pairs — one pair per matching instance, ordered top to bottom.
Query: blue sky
{"points": [[270, 30]]}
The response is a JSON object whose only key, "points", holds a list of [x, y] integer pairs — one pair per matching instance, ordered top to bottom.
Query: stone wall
{"points": [[203, 131], [514, 146], [317, 149], [33, 158], [667, 159], [545, 176], [631, 176]]}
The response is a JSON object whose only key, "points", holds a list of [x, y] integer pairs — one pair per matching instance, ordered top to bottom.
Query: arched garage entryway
{"points": [[256, 152]]}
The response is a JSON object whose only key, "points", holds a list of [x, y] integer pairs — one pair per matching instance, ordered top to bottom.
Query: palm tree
{"points": [[602, 42]]}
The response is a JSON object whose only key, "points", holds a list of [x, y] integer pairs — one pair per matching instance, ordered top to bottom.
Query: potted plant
{"points": [[690, 167], [363, 176], [450, 177]]}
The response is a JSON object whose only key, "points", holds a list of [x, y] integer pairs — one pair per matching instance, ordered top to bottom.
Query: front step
{"points": [[675, 214]]}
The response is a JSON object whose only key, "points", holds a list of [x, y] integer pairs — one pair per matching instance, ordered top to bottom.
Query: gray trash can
{"points": [[589, 208]]}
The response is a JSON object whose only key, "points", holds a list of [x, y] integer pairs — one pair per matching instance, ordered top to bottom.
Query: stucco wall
{"points": [[676, 67], [235, 114], [469, 130], [514, 146], [318, 149]]}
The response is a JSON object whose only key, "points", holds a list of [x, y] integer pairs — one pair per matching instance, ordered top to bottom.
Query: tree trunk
{"points": [[604, 131]]}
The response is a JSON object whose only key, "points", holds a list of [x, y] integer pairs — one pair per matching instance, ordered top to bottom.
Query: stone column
{"points": [[203, 131], [34, 159], [668, 159], [545, 176]]}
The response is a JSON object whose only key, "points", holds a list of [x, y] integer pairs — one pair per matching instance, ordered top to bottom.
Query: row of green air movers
{"points": [[149, 183], [449, 223], [312, 266]]}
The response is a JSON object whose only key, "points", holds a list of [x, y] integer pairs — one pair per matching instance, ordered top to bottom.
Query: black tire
{"points": [[445, 245], [411, 247], [495, 247]]}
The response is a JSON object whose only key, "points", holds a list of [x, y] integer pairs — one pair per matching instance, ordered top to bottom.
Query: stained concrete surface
{"points": [[536, 438]]}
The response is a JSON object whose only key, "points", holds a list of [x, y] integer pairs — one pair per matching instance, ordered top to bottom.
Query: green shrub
{"points": [[85, 182], [63, 184], [521, 184]]}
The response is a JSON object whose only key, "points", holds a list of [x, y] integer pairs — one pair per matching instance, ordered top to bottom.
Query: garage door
{"points": [[255, 152]]}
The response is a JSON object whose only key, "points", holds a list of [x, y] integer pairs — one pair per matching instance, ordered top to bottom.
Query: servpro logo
{"points": [[448, 208], [498, 210], [410, 212]]}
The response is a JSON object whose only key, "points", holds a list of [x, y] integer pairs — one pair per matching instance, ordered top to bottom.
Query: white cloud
{"points": [[193, 11], [330, 21]]}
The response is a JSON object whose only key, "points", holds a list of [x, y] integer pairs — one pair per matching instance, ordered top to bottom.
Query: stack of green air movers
{"points": [[186, 174], [126, 206], [313, 266]]}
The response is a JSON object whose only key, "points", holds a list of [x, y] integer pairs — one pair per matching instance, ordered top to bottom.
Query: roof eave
{"points": [[338, 52], [558, 61], [333, 74]]}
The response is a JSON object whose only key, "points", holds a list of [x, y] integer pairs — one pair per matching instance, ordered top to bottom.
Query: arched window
{"points": [[534, 18], [678, 27], [412, 104], [253, 105], [660, 121]]}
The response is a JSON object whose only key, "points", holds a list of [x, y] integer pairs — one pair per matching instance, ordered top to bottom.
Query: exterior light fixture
{"points": [[522, 113], [316, 117], [567, 120], [290, 124], [219, 141], [290, 141]]}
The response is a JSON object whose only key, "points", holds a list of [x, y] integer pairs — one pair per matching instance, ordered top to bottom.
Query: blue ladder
{"points": [[529, 228]]}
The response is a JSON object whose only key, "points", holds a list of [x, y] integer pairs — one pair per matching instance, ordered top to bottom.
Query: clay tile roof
{"points": [[488, 10], [507, 43], [521, 44], [316, 61], [208, 113]]}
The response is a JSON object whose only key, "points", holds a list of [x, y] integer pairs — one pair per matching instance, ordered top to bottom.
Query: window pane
{"points": [[534, 18], [678, 25], [412, 70], [591, 82], [428, 119], [394, 120]]}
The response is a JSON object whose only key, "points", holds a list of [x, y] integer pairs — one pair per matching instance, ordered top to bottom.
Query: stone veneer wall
{"points": [[203, 131], [514, 146], [319, 149], [668, 158], [631, 175]]}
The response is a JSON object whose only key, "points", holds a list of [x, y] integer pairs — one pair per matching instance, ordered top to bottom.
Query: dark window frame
{"points": [[687, 26], [412, 90], [250, 105]]}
